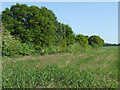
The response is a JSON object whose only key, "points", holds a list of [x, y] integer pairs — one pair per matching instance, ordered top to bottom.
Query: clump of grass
{"points": [[25, 74], [53, 76]]}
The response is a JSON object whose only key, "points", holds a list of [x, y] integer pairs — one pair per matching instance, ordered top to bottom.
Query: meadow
{"points": [[89, 69]]}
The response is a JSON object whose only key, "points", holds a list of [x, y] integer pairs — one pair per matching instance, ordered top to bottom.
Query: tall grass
{"points": [[98, 69]]}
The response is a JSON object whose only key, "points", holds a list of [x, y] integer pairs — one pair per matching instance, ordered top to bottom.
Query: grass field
{"points": [[92, 69]]}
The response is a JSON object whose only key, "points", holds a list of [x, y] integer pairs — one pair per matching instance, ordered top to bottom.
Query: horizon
{"points": [[86, 17]]}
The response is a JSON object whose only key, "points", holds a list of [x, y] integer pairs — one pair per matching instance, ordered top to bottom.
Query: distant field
{"points": [[94, 69]]}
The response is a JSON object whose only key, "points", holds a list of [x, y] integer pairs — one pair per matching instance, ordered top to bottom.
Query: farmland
{"points": [[88, 69]]}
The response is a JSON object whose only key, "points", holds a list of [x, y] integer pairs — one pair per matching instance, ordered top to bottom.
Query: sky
{"points": [[87, 18]]}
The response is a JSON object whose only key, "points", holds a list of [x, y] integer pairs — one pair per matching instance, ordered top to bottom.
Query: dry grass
{"points": [[110, 57]]}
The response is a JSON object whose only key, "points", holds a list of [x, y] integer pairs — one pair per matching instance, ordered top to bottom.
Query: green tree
{"points": [[33, 24], [39, 28], [64, 32], [70, 37], [87, 37], [96, 39], [82, 40], [103, 43], [63, 44], [12, 46]]}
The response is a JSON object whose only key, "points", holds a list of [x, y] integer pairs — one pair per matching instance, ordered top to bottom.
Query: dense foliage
{"points": [[30, 24], [35, 29], [82, 40], [96, 41], [12, 46]]}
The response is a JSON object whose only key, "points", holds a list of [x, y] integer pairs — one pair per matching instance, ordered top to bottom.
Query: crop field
{"points": [[89, 69]]}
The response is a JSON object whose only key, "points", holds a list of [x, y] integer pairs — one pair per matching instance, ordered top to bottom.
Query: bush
{"points": [[93, 40], [63, 45], [94, 45], [12, 46], [9, 47], [89, 47], [74, 48], [26, 49], [52, 49], [70, 49]]}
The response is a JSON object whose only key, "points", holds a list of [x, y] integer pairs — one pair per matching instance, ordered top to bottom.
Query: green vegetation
{"points": [[29, 30], [96, 41], [38, 51], [93, 69]]}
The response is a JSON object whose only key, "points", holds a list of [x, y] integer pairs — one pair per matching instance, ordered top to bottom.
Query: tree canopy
{"points": [[36, 25], [39, 28], [97, 40]]}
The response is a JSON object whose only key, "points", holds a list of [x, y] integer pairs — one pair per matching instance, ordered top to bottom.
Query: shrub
{"points": [[82, 40], [93, 40], [63, 45], [94, 45], [12, 46], [9, 47], [89, 47], [74, 48], [26, 49], [52, 49], [57, 49], [70, 49]]}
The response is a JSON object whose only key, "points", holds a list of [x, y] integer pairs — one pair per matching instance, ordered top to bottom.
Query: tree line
{"points": [[30, 29], [110, 44]]}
